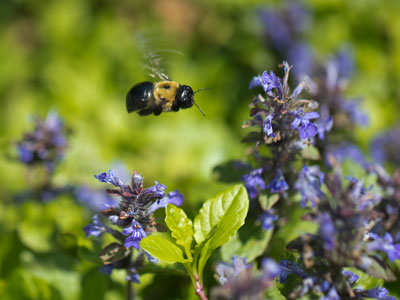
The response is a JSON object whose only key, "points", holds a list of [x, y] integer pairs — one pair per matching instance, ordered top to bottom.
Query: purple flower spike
{"points": [[303, 123], [267, 126], [110, 178], [254, 182], [278, 184], [173, 197], [94, 229], [136, 234]]}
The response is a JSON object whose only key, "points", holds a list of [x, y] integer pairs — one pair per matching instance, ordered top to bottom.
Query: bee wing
{"points": [[154, 61]]}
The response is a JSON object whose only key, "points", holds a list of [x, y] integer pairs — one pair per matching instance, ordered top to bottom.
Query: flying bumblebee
{"points": [[163, 95]]}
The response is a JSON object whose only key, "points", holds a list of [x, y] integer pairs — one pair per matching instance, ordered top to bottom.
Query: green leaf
{"points": [[311, 153], [267, 202], [218, 221], [180, 225], [249, 242], [159, 246]]}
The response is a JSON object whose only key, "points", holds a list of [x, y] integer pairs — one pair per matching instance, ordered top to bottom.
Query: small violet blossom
{"points": [[271, 81], [302, 122], [267, 126], [111, 178], [254, 182], [278, 184], [173, 197], [268, 219], [96, 228], [136, 234], [386, 245], [288, 267], [379, 293]]}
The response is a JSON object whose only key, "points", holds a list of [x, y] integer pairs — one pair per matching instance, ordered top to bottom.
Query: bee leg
{"points": [[175, 108], [157, 111], [145, 112]]}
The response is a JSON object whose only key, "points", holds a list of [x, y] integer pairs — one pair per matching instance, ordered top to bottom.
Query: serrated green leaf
{"points": [[218, 221], [180, 225], [162, 248]]}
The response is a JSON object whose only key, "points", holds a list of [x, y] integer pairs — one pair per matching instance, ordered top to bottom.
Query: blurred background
{"points": [[79, 58]]}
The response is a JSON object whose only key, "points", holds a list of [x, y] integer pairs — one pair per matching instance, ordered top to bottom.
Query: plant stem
{"points": [[199, 289], [130, 292]]}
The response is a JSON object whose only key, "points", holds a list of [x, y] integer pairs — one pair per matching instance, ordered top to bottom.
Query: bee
{"points": [[163, 95], [156, 97]]}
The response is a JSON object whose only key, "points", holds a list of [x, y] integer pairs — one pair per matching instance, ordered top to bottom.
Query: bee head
{"points": [[185, 96]]}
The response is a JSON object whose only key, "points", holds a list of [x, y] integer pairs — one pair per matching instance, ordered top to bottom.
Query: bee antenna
{"points": [[203, 89], [199, 108]]}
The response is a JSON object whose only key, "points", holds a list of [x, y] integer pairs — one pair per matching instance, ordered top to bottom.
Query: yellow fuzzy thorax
{"points": [[164, 93]]}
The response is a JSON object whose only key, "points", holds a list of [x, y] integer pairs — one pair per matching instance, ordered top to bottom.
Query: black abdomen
{"points": [[138, 96]]}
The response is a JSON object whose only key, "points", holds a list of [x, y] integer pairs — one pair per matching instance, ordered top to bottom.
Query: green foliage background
{"points": [[80, 58]]}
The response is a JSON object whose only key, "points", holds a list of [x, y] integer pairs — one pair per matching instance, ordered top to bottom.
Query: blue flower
{"points": [[301, 56], [271, 81], [255, 82], [358, 116], [303, 123], [324, 125], [267, 126], [45, 144], [344, 151], [25, 155], [110, 178], [253, 182], [278, 184], [309, 185], [156, 191], [173, 197], [268, 219], [96, 228], [327, 231], [136, 234], [386, 244], [288, 267], [270, 268], [107, 269], [226, 271], [132, 276], [352, 277], [379, 293], [332, 295]]}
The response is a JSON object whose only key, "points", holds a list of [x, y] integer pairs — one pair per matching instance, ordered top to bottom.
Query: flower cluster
{"points": [[285, 128], [45, 145], [133, 214], [346, 218], [239, 280]]}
